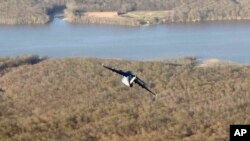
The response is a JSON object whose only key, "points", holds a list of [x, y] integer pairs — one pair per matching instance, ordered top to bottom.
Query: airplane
{"points": [[129, 78]]}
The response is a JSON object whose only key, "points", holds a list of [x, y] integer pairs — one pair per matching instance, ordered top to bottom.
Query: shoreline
{"points": [[131, 13], [132, 19], [208, 62]]}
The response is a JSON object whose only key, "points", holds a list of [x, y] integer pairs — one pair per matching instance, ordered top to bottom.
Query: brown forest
{"points": [[41, 11], [77, 99]]}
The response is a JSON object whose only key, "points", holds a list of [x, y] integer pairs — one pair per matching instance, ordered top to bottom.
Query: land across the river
{"points": [[118, 12], [136, 18]]}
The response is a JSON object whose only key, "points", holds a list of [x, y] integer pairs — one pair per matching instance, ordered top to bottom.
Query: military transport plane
{"points": [[129, 78]]}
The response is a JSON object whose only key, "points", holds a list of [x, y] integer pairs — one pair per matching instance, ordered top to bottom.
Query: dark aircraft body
{"points": [[129, 78]]}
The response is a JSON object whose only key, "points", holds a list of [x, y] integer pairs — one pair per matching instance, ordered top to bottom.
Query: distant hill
{"points": [[41, 11], [22, 12], [77, 99]]}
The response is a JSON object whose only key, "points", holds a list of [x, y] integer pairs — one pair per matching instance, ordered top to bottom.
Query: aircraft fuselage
{"points": [[128, 80]]}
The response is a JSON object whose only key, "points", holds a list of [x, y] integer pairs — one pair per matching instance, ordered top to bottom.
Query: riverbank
{"points": [[134, 13], [108, 18], [136, 18], [140, 18], [77, 99]]}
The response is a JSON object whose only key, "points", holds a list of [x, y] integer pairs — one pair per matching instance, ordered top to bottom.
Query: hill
{"points": [[41, 11], [150, 12], [77, 99]]}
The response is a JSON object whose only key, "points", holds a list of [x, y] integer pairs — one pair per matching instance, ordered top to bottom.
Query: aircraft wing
{"points": [[115, 70], [143, 85]]}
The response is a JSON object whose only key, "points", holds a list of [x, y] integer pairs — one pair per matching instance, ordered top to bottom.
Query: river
{"points": [[228, 41]]}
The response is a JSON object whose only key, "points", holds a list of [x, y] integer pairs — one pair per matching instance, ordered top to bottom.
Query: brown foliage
{"points": [[41, 11], [77, 99]]}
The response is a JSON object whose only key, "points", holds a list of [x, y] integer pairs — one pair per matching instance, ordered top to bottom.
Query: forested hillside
{"points": [[178, 10], [28, 11], [40, 11], [22, 12], [77, 99]]}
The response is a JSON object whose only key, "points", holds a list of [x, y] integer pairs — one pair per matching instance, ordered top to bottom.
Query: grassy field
{"points": [[148, 17], [108, 18], [134, 18], [77, 99]]}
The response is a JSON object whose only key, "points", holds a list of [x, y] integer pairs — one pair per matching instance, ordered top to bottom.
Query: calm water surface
{"points": [[223, 40]]}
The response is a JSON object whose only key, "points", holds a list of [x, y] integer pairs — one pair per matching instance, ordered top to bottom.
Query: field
{"points": [[101, 14], [148, 17], [111, 18], [134, 18], [77, 99]]}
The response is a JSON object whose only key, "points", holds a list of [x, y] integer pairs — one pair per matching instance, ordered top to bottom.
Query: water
{"points": [[222, 40]]}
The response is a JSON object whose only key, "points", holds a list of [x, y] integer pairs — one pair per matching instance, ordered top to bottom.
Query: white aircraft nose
{"points": [[125, 81]]}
